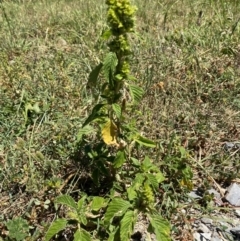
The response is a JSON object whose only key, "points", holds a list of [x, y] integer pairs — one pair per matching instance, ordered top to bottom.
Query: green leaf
{"points": [[109, 65], [93, 76], [119, 76], [136, 93], [117, 110], [94, 115], [84, 131], [144, 141], [182, 151], [119, 159], [135, 161], [147, 164], [160, 177], [138, 181], [153, 181], [132, 194], [68, 201], [81, 202], [98, 203], [117, 207], [73, 216], [83, 219], [127, 224], [57, 226], [161, 227], [18, 228], [82, 235], [114, 235]]}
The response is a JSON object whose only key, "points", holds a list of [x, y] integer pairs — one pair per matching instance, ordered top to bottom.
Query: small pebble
{"points": [[228, 145], [193, 195], [233, 195]]}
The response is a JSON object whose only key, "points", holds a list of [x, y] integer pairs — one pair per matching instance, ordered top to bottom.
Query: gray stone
{"points": [[228, 145], [237, 145], [216, 194], [193, 195], [233, 195], [237, 212], [207, 221], [224, 225], [203, 228], [235, 230], [226, 234], [197, 236], [202, 236], [206, 236], [216, 237]]}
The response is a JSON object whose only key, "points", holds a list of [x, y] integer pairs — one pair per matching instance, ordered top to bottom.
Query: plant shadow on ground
{"points": [[96, 178]]}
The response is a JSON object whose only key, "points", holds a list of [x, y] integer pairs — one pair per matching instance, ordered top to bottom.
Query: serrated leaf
{"points": [[109, 65], [93, 76], [136, 93], [117, 110], [94, 115], [84, 131], [109, 133], [145, 141], [119, 159], [135, 161], [146, 164], [160, 177], [138, 181], [153, 181], [131, 191], [67, 200], [81, 202], [98, 203], [117, 207], [83, 219], [127, 224], [57, 226], [161, 227], [18, 228], [82, 235]]}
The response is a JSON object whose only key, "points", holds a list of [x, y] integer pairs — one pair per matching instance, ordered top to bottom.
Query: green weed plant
{"points": [[134, 181]]}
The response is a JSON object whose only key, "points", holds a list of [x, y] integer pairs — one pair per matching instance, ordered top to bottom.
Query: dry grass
{"points": [[186, 57]]}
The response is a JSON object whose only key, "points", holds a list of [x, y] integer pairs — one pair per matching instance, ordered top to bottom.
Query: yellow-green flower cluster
{"points": [[120, 16], [120, 43], [148, 196]]}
